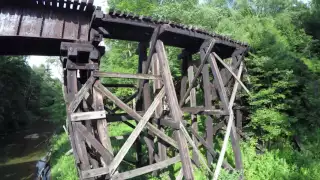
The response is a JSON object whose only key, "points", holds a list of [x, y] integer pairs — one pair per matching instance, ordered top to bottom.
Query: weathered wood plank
{"points": [[153, 41], [184, 73], [232, 73], [125, 75], [120, 85], [191, 85], [81, 94], [146, 95], [75, 98], [130, 98], [225, 102], [193, 103], [208, 105], [175, 109], [203, 110], [135, 115], [80, 116], [239, 117], [166, 121], [102, 124], [133, 136], [195, 148], [162, 149], [105, 154], [214, 154], [147, 169], [94, 172], [180, 175]]}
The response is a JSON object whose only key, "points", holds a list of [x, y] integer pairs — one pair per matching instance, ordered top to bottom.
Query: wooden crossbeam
{"points": [[153, 41], [232, 73], [125, 75], [120, 85], [191, 85], [80, 95], [75, 98], [130, 98], [224, 98], [146, 99], [193, 103], [208, 105], [203, 110], [135, 115], [80, 116], [165, 121], [230, 127], [133, 136], [195, 148], [162, 149], [105, 154], [214, 154], [147, 169], [91, 173]]}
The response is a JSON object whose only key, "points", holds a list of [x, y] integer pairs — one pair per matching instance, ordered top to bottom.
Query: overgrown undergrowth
{"points": [[285, 163]]}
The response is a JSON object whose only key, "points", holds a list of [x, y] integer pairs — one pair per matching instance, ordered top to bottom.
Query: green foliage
{"points": [[286, 163], [62, 166]]}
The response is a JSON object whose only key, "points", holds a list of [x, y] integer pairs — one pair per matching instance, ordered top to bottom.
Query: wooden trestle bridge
{"points": [[73, 29]]}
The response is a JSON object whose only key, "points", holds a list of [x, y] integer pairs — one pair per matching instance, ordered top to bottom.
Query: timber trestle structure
{"points": [[166, 116]]}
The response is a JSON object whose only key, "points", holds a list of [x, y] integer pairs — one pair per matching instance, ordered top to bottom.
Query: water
{"points": [[20, 151]]}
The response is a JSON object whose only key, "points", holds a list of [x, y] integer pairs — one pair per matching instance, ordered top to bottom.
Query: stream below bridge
{"points": [[21, 150]]}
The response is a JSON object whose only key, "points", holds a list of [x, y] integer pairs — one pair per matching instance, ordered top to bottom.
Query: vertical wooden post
{"points": [[184, 73], [188, 74], [72, 89], [146, 96], [225, 101], [208, 104], [175, 110], [239, 118], [102, 126], [162, 149]]}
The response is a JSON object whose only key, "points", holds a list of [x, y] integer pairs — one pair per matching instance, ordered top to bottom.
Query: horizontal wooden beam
{"points": [[82, 66], [125, 75], [120, 85], [203, 110], [80, 116], [167, 122], [147, 169], [94, 172]]}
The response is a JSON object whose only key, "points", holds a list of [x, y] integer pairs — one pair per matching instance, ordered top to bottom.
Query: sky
{"points": [[56, 71]]}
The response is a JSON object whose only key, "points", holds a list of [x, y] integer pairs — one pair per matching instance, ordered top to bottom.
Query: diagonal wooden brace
{"points": [[191, 85], [104, 91], [80, 95], [175, 110], [133, 136]]}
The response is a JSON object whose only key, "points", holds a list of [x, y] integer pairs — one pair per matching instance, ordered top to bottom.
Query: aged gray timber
{"points": [[175, 110]]}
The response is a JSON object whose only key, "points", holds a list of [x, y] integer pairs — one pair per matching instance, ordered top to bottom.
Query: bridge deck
{"points": [[39, 29]]}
